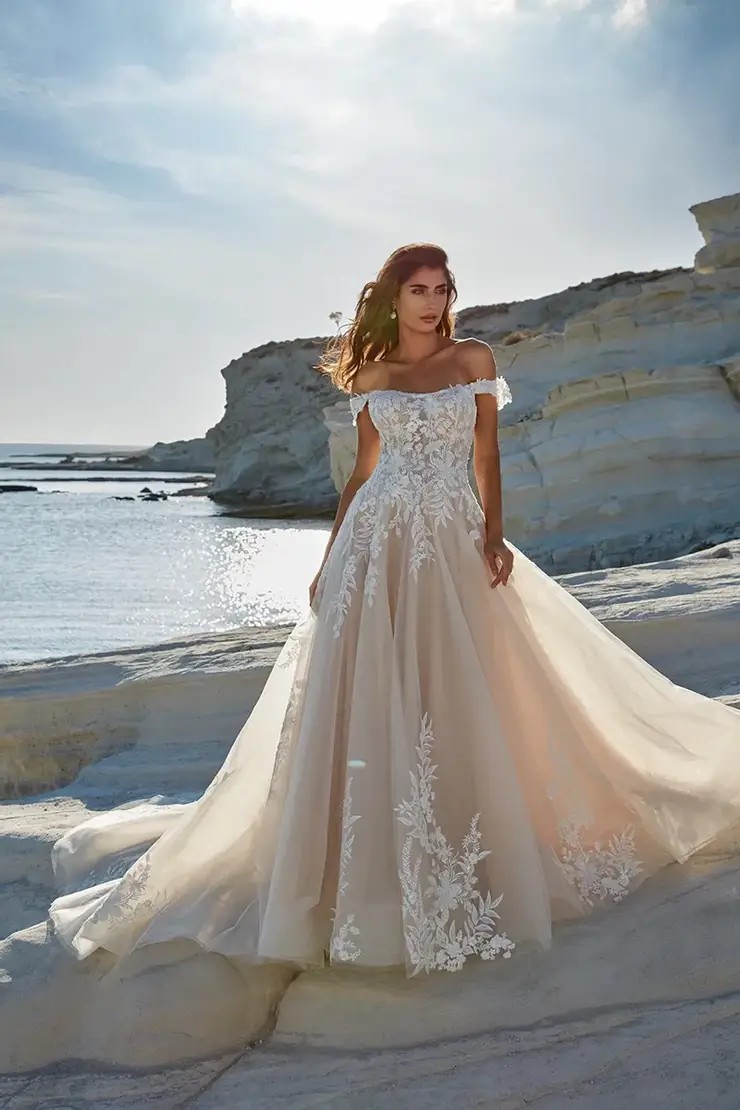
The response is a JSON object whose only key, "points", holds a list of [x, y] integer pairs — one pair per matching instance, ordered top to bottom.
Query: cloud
{"points": [[323, 13], [631, 13], [340, 14], [220, 100], [215, 107], [249, 164]]}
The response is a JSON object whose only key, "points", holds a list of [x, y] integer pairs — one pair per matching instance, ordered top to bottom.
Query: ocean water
{"points": [[82, 572]]}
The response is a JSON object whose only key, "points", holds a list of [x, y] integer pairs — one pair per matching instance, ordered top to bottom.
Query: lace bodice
{"points": [[425, 433], [419, 484]]}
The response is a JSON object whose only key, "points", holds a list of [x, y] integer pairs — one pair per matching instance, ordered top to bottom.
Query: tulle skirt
{"points": [[434, 770]]}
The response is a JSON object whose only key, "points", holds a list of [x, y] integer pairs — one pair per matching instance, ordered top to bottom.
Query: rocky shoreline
{"points": [[621, 443], [621, 449], [88, 732]]}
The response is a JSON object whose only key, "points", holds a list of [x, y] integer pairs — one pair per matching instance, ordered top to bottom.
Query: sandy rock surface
{"points": [[636, 1006]]}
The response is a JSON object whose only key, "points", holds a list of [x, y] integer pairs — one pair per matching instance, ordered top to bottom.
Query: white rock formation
{"points": [[719, 223], [617, 384], [622, 440], [622, 443], [270, 444], [182, 454], [108, 728], [153, 1008]]}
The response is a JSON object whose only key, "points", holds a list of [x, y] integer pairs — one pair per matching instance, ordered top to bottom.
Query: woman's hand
{"points": [[500, 559], [313, 586]]}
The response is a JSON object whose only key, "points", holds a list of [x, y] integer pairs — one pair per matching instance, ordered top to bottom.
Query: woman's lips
{"points": [[429, 319]]}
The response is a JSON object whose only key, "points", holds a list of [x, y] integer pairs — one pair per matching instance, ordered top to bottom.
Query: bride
{"points": [[450, 753]]}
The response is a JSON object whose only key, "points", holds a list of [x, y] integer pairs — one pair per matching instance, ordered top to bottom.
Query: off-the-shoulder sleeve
{"points": [[499, 387], [357, 402]]}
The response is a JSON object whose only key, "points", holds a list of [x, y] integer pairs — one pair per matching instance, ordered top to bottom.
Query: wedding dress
{"points": [[435, 769]]}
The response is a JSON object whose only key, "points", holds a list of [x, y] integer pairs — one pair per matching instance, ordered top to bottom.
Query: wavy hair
{"points": [[372, 333]]}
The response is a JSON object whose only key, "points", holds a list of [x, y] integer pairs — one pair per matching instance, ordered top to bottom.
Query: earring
{"points": [[393, 313]]}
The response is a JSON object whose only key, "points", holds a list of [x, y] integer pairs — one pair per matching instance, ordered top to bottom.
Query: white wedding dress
{"points": [[434, 769]]}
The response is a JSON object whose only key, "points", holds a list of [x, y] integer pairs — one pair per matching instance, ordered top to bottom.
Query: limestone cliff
{"points": [[622, 443], [270, 444], [182, 454]]}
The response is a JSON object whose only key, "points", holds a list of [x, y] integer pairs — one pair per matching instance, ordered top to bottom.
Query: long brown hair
{"points": [[372, 333]]}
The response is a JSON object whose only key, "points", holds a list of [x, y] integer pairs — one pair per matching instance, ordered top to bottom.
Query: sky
{"points": [[183, 180]]}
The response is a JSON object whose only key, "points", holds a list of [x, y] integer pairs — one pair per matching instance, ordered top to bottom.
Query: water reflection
{"points": [[81, 574]]}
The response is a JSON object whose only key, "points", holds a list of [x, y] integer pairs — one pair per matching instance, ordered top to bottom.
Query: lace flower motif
{"points": [[419, 485], [596, 870], [446, 919], [342, 947]]}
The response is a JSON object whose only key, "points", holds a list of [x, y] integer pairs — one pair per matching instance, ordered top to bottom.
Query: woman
{"points": [[450, 752]]}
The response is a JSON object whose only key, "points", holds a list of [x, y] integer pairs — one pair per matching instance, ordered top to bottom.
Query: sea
{"points": [[83, 572]]}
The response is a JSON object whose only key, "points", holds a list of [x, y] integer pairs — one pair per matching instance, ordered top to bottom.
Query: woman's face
{"points": [[422, 299]]}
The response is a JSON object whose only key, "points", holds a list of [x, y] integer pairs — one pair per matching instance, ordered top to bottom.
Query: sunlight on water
{"points": [[261, 570], [80, 574]]}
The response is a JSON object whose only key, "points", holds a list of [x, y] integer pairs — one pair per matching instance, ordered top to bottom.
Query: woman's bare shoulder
{"points": [[478, 357], [371, 375]]}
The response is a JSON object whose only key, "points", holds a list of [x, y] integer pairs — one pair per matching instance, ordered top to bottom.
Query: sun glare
{"points": [[362, 14], [368, 15]]}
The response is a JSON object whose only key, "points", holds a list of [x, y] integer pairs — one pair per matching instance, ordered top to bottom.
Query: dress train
{"points": [[433, 770]]}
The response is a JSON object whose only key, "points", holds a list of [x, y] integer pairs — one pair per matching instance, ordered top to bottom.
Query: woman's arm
{"points": [[366, 457], [487, 466]]}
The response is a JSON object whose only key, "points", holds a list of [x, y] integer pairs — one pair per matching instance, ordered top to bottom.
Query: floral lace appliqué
{"points": [[419, 485], [596, 870], [132, 898], [446, 919], [342, 947]]}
